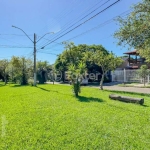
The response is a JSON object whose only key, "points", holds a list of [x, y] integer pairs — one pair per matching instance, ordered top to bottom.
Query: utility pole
{"points": [[34, 42], [34, 59]]}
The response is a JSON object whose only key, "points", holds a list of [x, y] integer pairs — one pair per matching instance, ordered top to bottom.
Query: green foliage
{"points": [[135, 29], [145, 53], [74, 54], [107, 61], [4, 69], [42, 69], [20, 70], [143, 72], [75, 75], [31, 81], [48, 117]]}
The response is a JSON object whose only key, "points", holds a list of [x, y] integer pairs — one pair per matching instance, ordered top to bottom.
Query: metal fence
{"points": [[127, 76]]}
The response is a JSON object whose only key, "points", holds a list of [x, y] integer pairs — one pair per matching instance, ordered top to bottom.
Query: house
{"points": [[132, 60]]}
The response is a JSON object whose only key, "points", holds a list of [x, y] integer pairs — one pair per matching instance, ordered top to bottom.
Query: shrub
{"points": [[30, 81]]}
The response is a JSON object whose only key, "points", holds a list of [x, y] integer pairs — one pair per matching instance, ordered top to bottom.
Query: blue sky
{"points": [[43, 16]]}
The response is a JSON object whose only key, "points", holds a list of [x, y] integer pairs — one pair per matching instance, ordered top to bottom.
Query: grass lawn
{"points": [[49, 117]]}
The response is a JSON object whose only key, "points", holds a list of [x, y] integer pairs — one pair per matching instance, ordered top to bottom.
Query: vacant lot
{"points": [[50, 117]]}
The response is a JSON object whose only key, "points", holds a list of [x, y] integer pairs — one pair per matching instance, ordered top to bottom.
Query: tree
{"points": [[135, 29], [74, 54], [73, 58], [106, 61], [61, 65], [43, 67], [3, 69], [20, 69], [143, 72], [76, 73]]}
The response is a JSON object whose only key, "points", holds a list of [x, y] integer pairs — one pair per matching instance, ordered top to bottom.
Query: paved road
{"points": [[114, 86], [128, 89]]}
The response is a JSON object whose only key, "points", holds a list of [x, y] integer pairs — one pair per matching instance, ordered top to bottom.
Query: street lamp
{"points": [[44, 35], [34, 42]]}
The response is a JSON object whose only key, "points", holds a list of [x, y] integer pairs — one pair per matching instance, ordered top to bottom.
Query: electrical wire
{"points": [[64, 12], [83, 12], [81, 19], [70, 22], [82, 23], [97, 27], [13, 35], [11, 41], [7, 46], [49, 53]]}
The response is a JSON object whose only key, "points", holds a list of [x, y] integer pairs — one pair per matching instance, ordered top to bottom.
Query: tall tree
{"points": [[134, 30], [76, 53], [106, 61], [75, 64], [3, 69], [20, 69], [143, 72]]}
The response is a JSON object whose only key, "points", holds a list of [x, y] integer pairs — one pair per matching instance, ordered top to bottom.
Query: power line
{"points": [[63, 12], [84, 12], [82, 18], [74, 19], [82, 23], [97, 27], [13, 35], [11, 41], [53, 42], [11, 46], [48, 49], [49, 53]]}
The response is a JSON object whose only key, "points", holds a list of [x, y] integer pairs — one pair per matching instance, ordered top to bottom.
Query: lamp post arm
{"points": [[24, 33], [43, 36]]}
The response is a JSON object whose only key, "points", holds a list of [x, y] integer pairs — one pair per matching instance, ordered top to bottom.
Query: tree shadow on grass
{"points": [[2, 85], [17, 85], [14, 86], [43, 89], [46, 89], [89, 99], [145, 105]]}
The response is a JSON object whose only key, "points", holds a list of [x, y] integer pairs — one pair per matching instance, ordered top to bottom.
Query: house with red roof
{"points": [[132, 60]]}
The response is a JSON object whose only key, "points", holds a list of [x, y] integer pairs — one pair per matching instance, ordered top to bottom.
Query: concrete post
{"points": [[124, 74]]}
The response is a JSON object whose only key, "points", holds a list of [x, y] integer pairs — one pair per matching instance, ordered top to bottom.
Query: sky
{"points": [[55, 18]]}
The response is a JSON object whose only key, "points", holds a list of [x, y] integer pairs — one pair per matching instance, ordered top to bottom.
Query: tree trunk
{"points": [[63, 76], [53, 78], [5, 79], [144, 81], [101, 82], [76, 94], [127, 99]]}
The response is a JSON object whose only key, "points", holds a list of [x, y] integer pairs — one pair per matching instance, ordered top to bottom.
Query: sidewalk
{"points": [[114, 86], [137, 89]]}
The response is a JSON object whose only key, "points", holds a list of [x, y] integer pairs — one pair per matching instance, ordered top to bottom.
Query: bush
{"points": [[30, 82]]}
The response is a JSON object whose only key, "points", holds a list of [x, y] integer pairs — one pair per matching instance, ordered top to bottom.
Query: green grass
{"points": [[50, 117]]}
